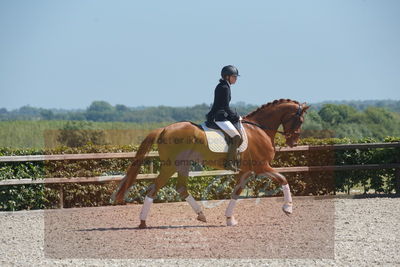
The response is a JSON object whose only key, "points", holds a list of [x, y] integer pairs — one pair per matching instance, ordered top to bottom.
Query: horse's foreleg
{"points": [[240, 184], [181, 187], [287, 196]]}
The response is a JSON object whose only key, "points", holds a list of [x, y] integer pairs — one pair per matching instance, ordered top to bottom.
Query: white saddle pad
{"points": [[216, 139]]}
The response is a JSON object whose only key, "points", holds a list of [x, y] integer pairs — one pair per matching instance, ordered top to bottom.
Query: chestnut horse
{"points": [[184, 142]]}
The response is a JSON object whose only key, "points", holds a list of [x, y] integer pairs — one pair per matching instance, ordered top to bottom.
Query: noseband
{"points": [[292, 127]]}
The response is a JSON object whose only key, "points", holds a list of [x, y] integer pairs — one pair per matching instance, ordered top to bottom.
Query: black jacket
{"points": [[220, 110]]}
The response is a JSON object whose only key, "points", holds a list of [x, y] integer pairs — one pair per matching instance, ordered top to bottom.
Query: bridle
{"points": [[293, 126]]}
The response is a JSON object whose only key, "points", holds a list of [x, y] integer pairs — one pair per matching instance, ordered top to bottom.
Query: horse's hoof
{"points": [[287, 208], [201, 217], [231, 221], [142, 225]]}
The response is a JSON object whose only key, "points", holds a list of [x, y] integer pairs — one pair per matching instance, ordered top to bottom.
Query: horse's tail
{"points": [[133, 170]]}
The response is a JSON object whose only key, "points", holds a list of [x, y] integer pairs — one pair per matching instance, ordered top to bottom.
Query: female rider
{"points": [[223, 116]]}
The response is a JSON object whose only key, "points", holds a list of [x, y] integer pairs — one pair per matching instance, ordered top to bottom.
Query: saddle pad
{"points": [[216, 139]]}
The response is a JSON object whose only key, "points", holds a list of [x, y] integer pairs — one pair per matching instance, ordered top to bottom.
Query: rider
{"points": [[224, 116]]}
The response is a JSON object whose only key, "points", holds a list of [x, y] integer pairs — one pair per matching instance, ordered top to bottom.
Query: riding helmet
{"points": [[229, 70]]}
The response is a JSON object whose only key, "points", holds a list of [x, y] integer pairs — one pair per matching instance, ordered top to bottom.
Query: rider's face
{"points": [[232, 79]]}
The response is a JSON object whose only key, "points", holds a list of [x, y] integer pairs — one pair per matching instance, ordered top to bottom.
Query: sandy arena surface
{"points": [[321, 232]]}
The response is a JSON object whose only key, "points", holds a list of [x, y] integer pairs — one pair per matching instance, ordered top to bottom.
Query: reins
{"points": [[261, 126]]}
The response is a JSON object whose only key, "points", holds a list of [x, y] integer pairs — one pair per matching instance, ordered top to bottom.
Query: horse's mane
{"points": [[273, 103]]}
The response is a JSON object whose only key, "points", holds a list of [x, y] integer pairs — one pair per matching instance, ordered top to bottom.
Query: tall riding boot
{"points": [[232, 158]]}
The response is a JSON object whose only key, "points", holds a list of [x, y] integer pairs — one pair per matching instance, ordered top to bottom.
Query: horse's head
{"points": [[287, 112], [292, 122]]}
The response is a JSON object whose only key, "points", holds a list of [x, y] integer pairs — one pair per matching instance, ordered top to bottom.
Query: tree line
{"points": [[104, 111], [353, 119]]}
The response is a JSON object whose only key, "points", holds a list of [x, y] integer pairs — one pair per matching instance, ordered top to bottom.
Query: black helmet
{"points": [[229, 70]]}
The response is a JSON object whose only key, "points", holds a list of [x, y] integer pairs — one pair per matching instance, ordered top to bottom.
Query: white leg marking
{"points": [[286, 193], [192, 202], [287, 206], [146, 208], [229, 209], [231, 221]]}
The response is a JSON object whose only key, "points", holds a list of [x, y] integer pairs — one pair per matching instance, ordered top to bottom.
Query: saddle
{"points": [[217, 140]]}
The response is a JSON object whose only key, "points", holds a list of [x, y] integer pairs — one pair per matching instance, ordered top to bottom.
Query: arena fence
{"points": [[152, 175]]}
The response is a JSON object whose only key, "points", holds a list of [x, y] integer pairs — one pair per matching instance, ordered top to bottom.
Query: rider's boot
{"points": [[232, 162]]}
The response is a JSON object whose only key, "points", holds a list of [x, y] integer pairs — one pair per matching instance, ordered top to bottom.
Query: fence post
{"points": [[397, 175], [397, 180], [61, 193]]}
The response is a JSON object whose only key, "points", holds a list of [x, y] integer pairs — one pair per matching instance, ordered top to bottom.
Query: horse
{"points": [[183, 142]]}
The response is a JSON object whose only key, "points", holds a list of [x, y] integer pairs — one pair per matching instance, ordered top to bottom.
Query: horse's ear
{"points": [[305, 107]]}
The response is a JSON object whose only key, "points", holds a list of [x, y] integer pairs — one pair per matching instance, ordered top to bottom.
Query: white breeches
{"points": [[228, 128]]}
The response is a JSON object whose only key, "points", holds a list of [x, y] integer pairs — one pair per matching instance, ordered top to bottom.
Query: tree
{"points": [[100, 106], [121, 108], [101, 111], [46, 114], [335, 114]]}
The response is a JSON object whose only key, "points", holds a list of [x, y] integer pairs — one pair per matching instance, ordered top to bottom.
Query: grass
{"points": [[38, 134]]}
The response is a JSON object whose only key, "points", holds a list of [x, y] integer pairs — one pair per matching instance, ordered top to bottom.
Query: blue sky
{"points": [[66, 54]]}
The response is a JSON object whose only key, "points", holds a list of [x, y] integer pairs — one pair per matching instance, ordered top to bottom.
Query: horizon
{"points": [[234, 104]]}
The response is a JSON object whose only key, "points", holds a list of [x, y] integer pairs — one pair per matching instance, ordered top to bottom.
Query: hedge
{"points": [[203, 188]]}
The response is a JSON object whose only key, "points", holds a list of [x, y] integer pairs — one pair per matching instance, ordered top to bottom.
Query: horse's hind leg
{"points": [[165, 173], [241, 180], [181, 187]]}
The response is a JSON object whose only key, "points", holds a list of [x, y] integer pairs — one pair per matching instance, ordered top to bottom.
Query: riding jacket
{"points": [[220, 110]]}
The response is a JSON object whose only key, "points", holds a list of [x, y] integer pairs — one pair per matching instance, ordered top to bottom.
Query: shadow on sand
{"points": [[149, 228]]}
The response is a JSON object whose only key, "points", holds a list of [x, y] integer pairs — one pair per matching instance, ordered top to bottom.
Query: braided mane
{"points": [[273, 103]]}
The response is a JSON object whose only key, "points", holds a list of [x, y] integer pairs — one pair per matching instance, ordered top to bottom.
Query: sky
{"points": [[66, 54]]}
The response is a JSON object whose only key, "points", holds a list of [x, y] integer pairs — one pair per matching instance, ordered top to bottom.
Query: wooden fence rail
{"points": [[122, 155], [115, 178]]}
